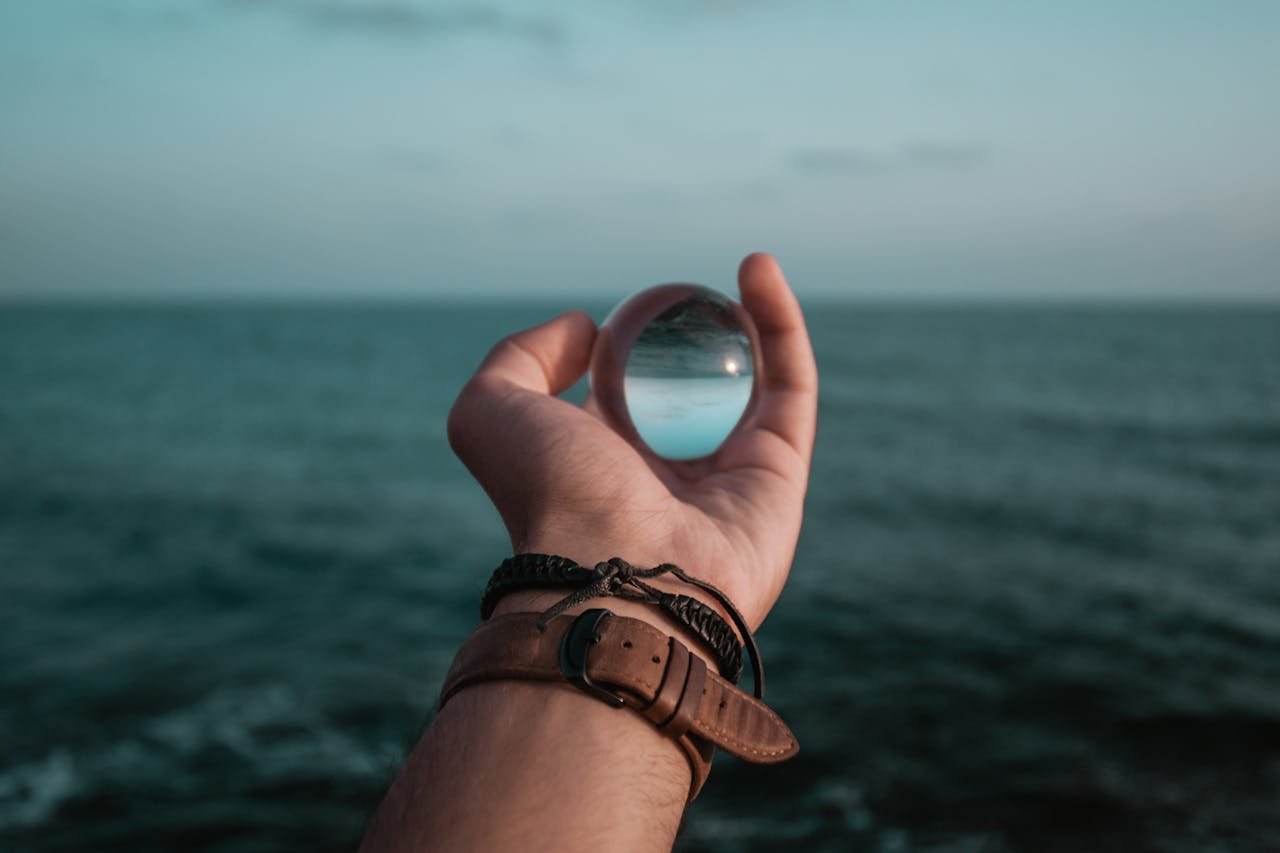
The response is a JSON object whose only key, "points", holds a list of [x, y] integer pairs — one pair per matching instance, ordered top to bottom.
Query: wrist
{"points": [[587, 557], [539, 601], [666, 654], [623, 662]]}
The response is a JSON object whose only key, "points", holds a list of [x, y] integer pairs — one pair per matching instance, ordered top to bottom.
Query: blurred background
{"points": [[249, 251]]}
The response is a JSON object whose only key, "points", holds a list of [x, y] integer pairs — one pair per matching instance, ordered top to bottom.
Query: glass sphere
{"points": [[674, 366]]}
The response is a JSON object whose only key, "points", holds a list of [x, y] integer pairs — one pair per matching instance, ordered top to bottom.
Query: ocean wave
{"points": [[270, 735], [30, 793]]}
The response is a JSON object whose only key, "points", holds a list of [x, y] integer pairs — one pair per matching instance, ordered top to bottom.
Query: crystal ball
{"points": [[674, 366]]}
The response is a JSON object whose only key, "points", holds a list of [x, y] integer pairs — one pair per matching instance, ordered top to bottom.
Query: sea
{"points": [[1035, 605]]}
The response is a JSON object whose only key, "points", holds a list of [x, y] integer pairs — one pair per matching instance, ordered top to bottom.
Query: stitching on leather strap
{"points": [[682, 693]]}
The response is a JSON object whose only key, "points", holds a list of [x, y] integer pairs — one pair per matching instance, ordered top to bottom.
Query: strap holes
{"points": [[626, 644], [657, 659], [721, 704]]}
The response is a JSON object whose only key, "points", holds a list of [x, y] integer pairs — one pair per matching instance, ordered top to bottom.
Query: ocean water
{"points": [[1036, 605]]}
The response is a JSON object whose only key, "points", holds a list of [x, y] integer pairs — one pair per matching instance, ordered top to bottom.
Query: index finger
{"points": [[788, 401]]}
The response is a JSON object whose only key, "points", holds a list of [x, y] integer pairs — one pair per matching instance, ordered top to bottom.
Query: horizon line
{"points": [[571, 298]]}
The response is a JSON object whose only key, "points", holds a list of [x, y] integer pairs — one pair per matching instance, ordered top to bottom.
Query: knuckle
{"points": [[509, 348], [461, 414]]}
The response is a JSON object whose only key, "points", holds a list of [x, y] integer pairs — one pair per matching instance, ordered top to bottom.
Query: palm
{"points": [[566, 483]]}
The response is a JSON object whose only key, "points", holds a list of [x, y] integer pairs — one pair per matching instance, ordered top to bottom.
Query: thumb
{"points": [[546, 359], [543, 360]]}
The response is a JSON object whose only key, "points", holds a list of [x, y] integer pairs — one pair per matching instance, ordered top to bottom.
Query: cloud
{"points": [[404, 18], [916, 155], [946, 155], [826, 160]]}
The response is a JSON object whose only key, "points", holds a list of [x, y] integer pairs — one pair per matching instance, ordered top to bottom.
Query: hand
{"points": [[565, 483]]}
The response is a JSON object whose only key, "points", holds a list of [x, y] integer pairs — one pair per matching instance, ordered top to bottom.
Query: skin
{"points": [[519, 765]]}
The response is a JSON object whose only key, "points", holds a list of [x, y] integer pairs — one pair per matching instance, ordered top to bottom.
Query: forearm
{"points": [[519, 765]]}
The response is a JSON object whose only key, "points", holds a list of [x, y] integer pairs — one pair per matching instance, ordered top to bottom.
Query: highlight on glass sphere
{"points": [[675, 366]]}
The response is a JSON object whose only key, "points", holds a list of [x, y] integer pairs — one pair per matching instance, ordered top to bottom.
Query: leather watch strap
{"points": [[618, 577], [628, 662]]}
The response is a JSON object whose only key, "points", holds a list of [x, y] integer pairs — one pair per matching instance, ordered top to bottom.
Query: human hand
{"points": [[565, 483]]}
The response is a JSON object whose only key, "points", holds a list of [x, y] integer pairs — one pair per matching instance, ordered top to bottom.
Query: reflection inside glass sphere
{"points": [[675, 364]]}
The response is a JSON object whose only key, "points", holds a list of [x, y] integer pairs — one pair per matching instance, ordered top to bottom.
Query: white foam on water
{"points": [[275, 733], [30, 793]]}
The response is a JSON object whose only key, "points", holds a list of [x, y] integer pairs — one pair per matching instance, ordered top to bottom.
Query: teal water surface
{"points": [[1036, 605]]}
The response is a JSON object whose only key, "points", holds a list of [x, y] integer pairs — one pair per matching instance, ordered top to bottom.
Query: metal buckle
{"points": [[580, 637]]}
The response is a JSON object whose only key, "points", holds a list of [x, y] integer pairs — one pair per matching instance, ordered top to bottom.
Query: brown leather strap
{"points": [[642, 667]]}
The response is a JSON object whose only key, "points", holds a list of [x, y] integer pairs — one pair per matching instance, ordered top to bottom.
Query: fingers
{"points": [[547, 359], [544, 360], [788, 403]]}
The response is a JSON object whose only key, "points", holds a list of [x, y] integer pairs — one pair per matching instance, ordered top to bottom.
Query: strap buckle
{"points": [[578, 640]]}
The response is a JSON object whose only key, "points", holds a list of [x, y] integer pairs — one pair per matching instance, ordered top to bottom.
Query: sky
{"points": [[406, 149]]}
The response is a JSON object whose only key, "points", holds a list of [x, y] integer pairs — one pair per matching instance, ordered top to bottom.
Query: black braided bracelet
{"points": [[617, 577]]}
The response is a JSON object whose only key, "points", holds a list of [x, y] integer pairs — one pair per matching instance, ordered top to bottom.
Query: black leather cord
{"points": [[617, 577]]}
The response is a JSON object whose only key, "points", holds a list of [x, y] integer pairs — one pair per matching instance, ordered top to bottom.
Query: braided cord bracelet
{"points": [[617, 577]]}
